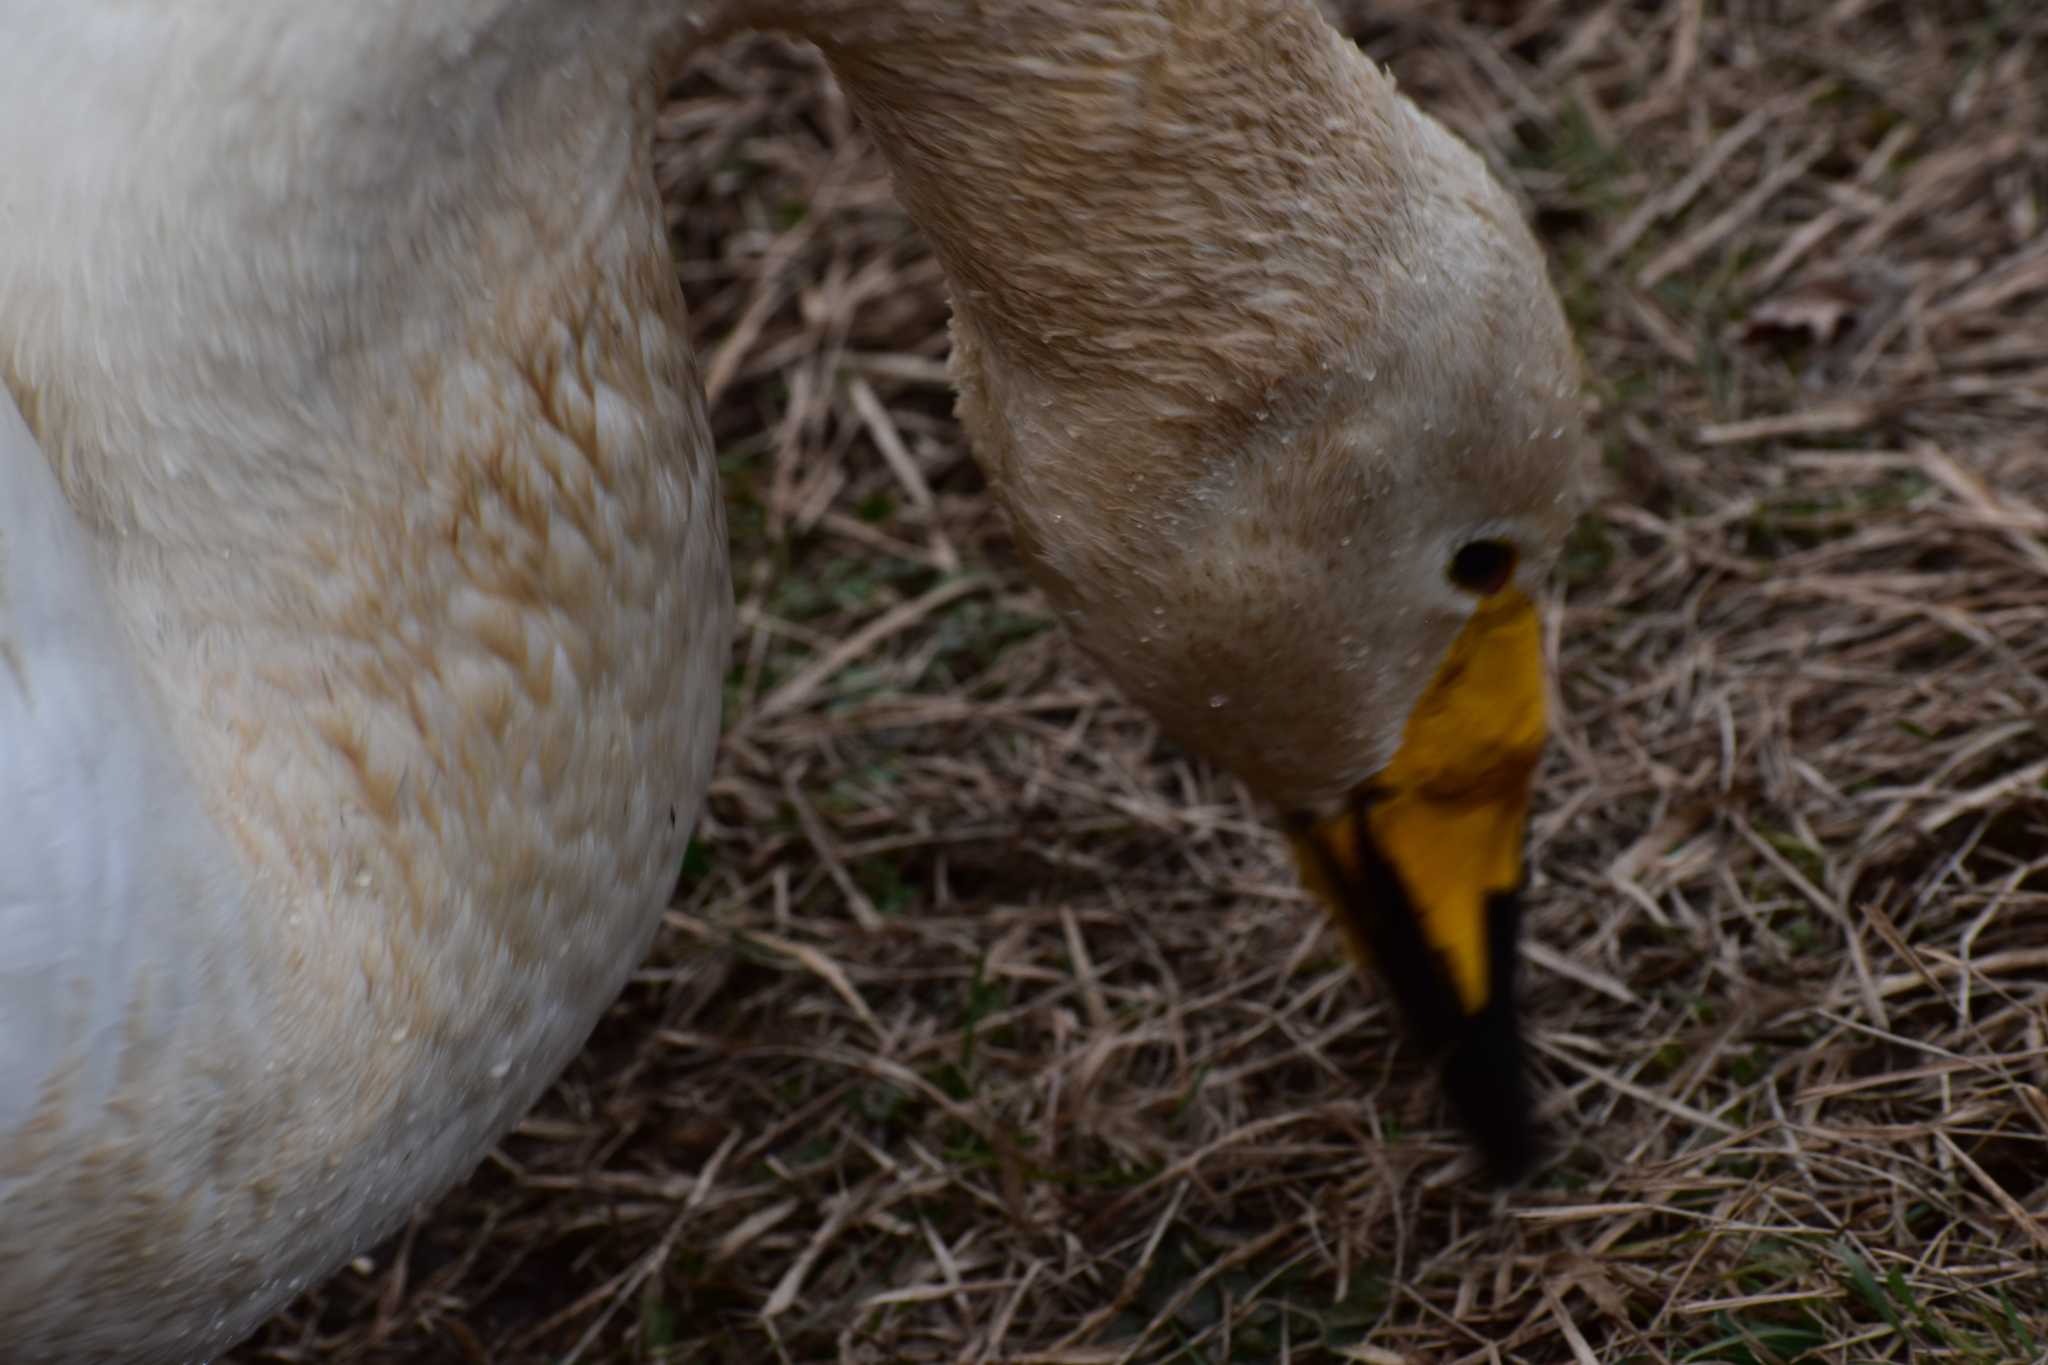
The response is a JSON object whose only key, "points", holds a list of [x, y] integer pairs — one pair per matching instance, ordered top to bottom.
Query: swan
{"points": [[363, 591]]}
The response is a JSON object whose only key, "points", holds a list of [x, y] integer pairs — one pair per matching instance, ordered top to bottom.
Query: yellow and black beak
{"points": [[1422, 869]]}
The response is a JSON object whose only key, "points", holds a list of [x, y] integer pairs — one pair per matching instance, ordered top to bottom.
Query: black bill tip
{"points": [[1485, 1073], [1487, 1080]]}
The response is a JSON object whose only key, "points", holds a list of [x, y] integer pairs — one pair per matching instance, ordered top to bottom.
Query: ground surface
{"points": [[989, 1027]]}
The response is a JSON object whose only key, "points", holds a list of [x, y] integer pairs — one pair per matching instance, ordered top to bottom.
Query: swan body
{"points": [[363, 593]]}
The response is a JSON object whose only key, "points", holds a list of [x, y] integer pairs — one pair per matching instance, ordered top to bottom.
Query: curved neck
{"points": [[1108, 144], [1111, 147]]}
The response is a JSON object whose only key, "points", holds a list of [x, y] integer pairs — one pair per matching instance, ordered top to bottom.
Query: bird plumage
{"points": [[363, 595]]}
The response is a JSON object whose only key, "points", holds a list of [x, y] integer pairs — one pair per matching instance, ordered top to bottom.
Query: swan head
{"points": [[1308, 540]]}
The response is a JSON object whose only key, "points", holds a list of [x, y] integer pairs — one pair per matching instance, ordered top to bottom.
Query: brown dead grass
{"points": [[987, 1026]]}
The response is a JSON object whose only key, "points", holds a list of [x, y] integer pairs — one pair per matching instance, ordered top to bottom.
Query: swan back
{"points": [[366, 611]]}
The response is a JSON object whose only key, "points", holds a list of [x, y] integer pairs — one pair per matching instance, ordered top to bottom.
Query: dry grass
{"points": [[989, 1027]]}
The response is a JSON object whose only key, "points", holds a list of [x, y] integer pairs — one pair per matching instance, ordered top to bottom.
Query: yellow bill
{"points": [[1422, 870]]}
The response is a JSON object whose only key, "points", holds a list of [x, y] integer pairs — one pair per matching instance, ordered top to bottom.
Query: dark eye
{"points": [[1483, 567]]}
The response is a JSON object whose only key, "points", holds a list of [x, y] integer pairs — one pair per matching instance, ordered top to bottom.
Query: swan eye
{"points": [[1483, 567]]}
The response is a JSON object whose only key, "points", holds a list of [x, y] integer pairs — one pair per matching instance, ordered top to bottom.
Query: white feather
{"points": [[102, 853]]}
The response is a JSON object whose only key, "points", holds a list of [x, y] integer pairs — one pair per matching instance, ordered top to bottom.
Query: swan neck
{"points": [[1162, 195]]}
